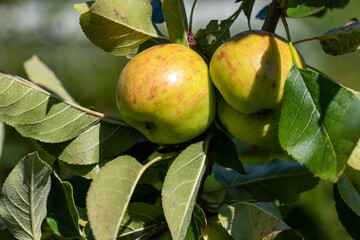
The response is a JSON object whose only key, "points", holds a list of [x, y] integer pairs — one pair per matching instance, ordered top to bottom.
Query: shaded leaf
{"points": [[247, 6], [262, 14], [176, 21], [117, 27], [213, 35], [342, 40], [43, 76], [315, 122], [101, 142], [224, 152], [279, 180], [181, 186], [109, 195], [23, 197], [348, 206], [62, 216], [140, 217], [198, 220], [246, 221], [6, 234]]}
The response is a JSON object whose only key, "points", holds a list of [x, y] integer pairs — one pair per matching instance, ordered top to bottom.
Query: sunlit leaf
{"points": [[304, 8], [176, 21], [117, 27], [342, 40], [43, 76], [37, 114], [315, 124], [2, 136], [354, 160], [279, 180], [181, 187], [109, 195], [23, 197], [348, 206], [140, 217], [250, 221]]}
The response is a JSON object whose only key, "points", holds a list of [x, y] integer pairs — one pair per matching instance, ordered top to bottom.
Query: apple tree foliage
{"points": [[109, 182]]}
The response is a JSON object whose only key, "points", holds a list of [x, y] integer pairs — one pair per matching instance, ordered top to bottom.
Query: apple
{"points": [[250, 70], [165, 92], [258, 128], [214, 230]]}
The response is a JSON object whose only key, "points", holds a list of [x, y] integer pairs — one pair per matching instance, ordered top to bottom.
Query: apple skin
{"points": [[250, 70], [165, 92], [258, 129], [214, 230]]}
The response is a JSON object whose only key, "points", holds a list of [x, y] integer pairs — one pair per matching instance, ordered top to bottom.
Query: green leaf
{"points": [[247, 6], [304, 8], [176, 21], [117, 27], [213, 35], [342, 40], [43, 76], [37, 114], [315, 122], [2, 136], [100, 142], [224, 152], [354, 160], [279, 180], [181, 186], [109, 195], [23, 197], [348, 206], [62, 216], [140, 217], [198, 220], [249, 221], [5, 234]]}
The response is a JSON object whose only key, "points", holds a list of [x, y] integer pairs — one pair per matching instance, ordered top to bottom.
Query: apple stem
{"points": [[191, 16], [272, 18], [292, 50]]}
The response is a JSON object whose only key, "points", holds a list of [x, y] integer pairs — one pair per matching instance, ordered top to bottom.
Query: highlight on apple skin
{"points": [[165, 92]]}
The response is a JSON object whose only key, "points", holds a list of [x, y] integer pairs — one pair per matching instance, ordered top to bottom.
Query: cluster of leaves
{"points": [[109, 182]]}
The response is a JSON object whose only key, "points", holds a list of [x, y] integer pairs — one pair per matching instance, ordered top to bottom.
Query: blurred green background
{"points": [[50, 30]]}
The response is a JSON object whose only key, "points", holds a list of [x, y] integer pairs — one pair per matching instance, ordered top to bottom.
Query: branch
{"points": [[272, 17], [155, 231]]}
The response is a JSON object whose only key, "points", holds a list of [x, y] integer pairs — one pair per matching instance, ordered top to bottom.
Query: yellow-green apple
{"points": [[250, 70], [166, 93], [258, 128], [214, 230]]}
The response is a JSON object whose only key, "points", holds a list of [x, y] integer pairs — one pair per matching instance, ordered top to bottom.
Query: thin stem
{"points": [[191, 16], [306, 40], [292, 50], [155, 231]]}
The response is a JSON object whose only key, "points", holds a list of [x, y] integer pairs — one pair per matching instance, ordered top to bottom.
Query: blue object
{"points": [[156, 16]]}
